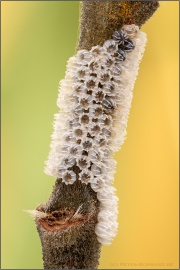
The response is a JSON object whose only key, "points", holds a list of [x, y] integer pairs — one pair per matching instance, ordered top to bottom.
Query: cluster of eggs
{"points": [[94, 101]]}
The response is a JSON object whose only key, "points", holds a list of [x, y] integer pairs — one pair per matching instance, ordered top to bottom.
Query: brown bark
{"points": [[99, 19], [67, 230], [68, 240]]}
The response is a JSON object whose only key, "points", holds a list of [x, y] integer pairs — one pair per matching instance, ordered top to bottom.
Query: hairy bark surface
{"points": [[99, 19], [67, 229]]}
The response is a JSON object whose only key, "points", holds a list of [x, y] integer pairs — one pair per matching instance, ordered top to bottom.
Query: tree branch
{"points": [[99, 19], [66, 222], [68, 240]]}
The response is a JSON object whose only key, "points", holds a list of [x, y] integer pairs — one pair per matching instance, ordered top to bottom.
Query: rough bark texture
{"points": [[99, 19], [67, 232], [69, 242]]}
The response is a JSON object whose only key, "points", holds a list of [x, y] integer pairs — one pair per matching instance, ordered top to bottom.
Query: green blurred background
{"points": [[37, 40]]}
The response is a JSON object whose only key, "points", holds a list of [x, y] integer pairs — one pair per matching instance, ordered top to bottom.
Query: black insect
{"points": [[120, 36], [124, 42], [127, 46], [121, 55], [108, 105]]}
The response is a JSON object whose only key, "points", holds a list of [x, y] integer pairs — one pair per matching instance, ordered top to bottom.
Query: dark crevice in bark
{"points": [[73, 246]]}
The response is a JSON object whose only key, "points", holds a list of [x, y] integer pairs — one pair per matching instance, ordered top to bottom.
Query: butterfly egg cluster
{"points": [[94, 101]]}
